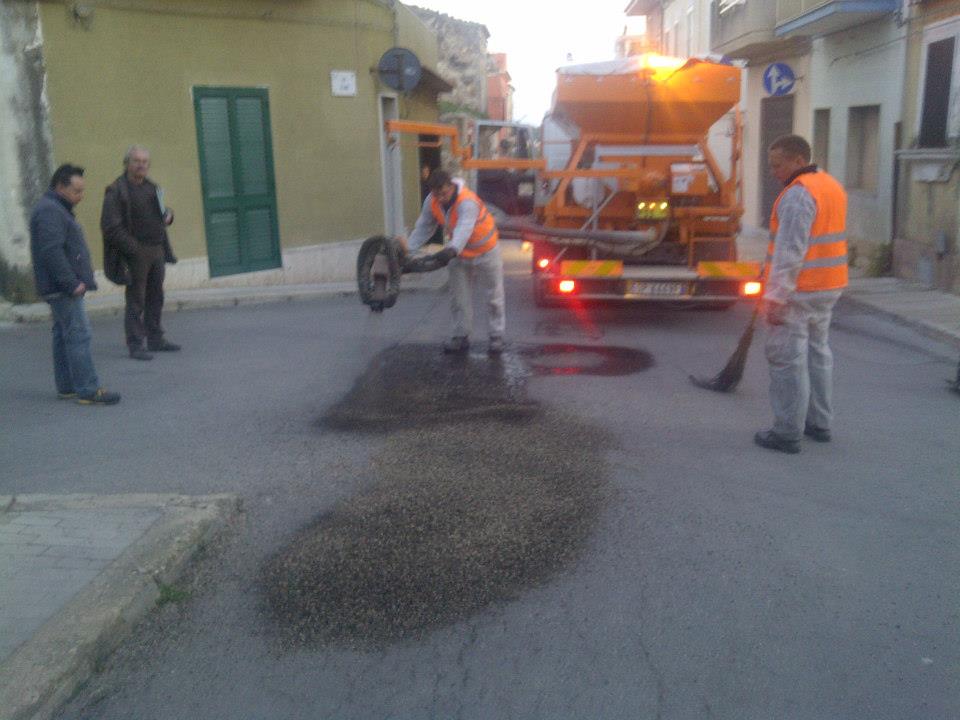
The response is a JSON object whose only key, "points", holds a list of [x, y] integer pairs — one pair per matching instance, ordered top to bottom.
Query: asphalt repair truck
{"points": [[630, 201]]}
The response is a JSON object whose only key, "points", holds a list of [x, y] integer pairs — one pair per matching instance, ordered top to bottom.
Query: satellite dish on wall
{"points": [[400, 69]]}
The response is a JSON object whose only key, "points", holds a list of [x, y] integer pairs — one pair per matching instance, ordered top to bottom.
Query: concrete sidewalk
{"points": [[112, 303], [933, 313], [77, 572]]}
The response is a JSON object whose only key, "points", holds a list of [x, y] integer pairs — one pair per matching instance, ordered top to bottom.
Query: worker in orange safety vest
{"points": [[473, 252], [806, 271]]}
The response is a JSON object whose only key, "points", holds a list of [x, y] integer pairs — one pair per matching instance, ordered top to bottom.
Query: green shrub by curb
{"points": [[881, 261], [16, 284], [170, 594]]}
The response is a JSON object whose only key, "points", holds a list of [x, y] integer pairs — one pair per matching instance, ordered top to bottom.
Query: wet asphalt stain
{"points": [[568, 328], [571, 359], [477, 494]]}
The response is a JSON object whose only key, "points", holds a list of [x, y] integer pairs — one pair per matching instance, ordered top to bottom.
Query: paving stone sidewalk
{"points": [[76, 574]]}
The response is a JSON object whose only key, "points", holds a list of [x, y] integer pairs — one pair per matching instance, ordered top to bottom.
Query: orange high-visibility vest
{"points": [[484, 236], [825, 264]]}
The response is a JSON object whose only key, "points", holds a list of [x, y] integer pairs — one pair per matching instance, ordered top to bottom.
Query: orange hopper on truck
{"points": [[631, 202]]}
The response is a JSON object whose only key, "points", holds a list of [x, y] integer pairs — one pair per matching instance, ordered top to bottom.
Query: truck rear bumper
{"points": [[660, 289]]}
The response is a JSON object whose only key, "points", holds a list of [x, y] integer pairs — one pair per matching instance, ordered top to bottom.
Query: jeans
{"points": [[487, 271], [73, 368]]}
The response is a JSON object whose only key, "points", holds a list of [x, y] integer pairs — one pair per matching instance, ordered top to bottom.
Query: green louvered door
{"points": [[236, 168]]}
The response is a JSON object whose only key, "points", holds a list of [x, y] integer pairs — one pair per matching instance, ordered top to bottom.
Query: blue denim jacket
{"points": [[61, 258]]}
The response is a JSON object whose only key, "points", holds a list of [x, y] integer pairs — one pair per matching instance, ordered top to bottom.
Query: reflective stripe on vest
{"points": [[484, 236], [825, 263]]}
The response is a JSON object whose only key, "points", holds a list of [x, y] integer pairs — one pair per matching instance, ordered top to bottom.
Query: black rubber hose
{"points": [[393, 253], [428, 263], [379, 290]]}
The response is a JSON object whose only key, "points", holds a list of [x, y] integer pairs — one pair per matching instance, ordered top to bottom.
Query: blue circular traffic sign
{"points": [[778, 79]]}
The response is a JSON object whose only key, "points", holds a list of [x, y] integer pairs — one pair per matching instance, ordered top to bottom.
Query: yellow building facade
{"points": [[264, 121]]}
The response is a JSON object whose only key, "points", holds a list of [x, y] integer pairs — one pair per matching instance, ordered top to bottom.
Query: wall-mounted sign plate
{"points": [[343, 83]]}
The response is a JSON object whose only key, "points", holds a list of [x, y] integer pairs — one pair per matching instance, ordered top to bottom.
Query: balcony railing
{"points": [[821, 17], [746, 30]]}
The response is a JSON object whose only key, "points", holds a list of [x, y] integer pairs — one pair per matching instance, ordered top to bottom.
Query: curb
{"points": [[176, 301], [930, 330], [47, 670]]}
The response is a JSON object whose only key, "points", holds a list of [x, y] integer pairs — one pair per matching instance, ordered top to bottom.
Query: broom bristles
{"points": [[728, 378]]}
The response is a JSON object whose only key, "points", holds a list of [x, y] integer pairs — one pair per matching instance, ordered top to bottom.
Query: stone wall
{"points": [[463, 59], [26, 155]]}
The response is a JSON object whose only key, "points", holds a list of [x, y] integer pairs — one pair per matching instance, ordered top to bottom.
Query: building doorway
{"points": [[776, 119], [430, 160], [390, 164], [236, 173]]}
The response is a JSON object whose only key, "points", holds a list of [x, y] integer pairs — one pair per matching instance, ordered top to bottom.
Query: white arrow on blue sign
{"points": [[778, 79]]}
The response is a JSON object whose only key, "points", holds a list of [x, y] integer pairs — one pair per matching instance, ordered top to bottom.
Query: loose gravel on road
{"points": [[463, 509]]}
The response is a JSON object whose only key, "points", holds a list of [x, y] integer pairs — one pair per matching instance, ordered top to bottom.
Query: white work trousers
{"points": [[465, 273], [801, 364]]}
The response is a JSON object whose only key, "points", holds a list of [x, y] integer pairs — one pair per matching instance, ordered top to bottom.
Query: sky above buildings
{"points": [[539, 37]]}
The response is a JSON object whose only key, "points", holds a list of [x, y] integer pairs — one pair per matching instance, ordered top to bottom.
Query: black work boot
{"points": [[456, 345], [163, 346], [138, 353], [816, 433], [770, 440]]}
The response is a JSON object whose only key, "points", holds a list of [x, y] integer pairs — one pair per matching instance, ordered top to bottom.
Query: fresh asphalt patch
{"points": [[416, 386], [477, 494]]}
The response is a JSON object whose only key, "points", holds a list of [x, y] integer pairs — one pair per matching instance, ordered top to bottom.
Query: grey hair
{"points": [[130, 151]]}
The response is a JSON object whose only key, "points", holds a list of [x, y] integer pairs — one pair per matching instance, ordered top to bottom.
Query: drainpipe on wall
{"points": [[392, 6], [396, 22], [26, 145]]}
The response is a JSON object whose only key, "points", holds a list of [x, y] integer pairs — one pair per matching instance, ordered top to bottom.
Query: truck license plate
{"points": [[644, 287]]}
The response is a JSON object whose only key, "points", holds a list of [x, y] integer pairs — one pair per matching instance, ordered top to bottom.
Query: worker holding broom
{"points": [[806, 271]]}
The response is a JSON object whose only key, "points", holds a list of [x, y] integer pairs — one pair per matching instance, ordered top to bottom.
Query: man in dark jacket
{"points": [[134, 222], [63, 275]]}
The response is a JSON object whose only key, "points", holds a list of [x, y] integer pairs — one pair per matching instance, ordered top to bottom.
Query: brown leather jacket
{"points": [[116, 223]]}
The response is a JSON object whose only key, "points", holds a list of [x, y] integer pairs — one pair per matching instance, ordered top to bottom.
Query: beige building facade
{"points": [[928, 191]]}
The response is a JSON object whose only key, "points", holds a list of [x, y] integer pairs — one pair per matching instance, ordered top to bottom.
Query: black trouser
{"points": [[145, 297]]}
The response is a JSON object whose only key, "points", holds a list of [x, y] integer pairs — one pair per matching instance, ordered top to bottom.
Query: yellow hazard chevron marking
{"points": [[595, 268], [731, 270]]}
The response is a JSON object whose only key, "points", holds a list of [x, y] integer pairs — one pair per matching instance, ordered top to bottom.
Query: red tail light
{"points": [[542, 263], [567, 286], [751, 288]]}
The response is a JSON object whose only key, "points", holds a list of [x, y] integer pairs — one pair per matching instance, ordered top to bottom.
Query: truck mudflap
{"points": [[712, 283]]}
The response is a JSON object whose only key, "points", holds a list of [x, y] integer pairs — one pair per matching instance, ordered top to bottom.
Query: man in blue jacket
{"points": [[63, 274]]}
